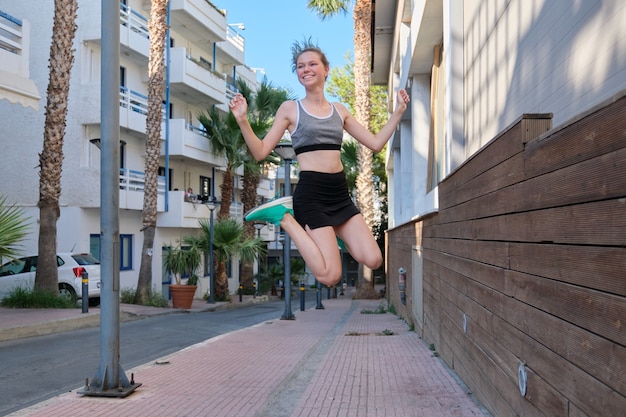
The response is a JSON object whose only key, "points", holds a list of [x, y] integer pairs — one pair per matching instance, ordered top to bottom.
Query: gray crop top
{"points": [[314, 133]]}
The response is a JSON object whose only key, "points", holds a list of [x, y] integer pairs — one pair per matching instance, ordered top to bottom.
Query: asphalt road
{"points": [[35, 369]]}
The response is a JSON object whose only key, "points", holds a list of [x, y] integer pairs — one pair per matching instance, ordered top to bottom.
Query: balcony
{"points": [[198, 21], [134, 34], [231, 51], [192, 80], [15, 84], [134, 110], [188, 142], [131, 190], [182, 213], [187, 214]]}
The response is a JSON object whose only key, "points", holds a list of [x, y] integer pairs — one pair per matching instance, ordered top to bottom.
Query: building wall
{"points": [[538, 56], [21, 136], [515, 260], [523, 268]]}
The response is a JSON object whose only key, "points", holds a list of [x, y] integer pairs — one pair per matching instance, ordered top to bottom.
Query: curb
{"points": [[93, 319]]}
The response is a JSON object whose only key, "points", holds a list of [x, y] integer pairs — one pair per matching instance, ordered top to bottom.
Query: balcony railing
{"points": [[133, 20], [10, 33], [235, 38], [15, 82], [135, 101], [135, 181]]}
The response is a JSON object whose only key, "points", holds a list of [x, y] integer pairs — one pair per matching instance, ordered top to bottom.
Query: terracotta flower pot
{"points": [[182, 295]]}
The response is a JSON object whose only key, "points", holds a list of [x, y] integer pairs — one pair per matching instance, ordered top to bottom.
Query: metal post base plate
{"points": [[120, 392]]}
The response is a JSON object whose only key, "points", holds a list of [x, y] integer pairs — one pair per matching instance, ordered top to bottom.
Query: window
{"points": [[122, 77], [170, 109], [436, 146], [122, 154], [161, 173], [205, 188], [126, 250]]}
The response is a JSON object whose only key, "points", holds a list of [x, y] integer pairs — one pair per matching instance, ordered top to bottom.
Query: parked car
{"points": [[21, 273]]}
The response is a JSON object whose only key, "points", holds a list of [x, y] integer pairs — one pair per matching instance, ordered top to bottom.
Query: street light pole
{"points": [[286, 152], [212, 204], [257, 290]]}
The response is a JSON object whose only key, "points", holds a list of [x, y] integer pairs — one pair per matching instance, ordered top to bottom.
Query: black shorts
{"points": [[321, 199]]}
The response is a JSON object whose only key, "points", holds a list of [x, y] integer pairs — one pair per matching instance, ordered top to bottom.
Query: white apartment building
{"points": [[206, 57]]}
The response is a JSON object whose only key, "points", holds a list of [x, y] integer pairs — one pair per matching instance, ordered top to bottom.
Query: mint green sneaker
{"points": [[271, 212]]}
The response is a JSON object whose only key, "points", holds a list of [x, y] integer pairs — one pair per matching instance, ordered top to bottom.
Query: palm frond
{"points": [[328, 8], [13, 229]]}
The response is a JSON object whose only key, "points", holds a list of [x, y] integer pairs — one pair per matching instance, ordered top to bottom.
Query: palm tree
{"points": [[362, 14], [156, 68], [262, 107], [223, 132], [51, 158], [13, 228], [229, 240]]}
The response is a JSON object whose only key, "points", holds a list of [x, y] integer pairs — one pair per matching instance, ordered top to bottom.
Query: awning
{"points": [[18, 89]]}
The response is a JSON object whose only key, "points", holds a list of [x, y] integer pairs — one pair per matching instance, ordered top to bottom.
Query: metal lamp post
{"points": [[286, 152], [212, 204], [257, 290]]}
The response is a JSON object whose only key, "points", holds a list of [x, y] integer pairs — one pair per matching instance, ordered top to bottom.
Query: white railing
{"points": [[133, 20], [10, 33], [235, 38], [231, 90], [135, 101], [200, 130], [135, 181]]}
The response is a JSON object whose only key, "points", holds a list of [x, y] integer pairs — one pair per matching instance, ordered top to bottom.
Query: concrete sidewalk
{"points": [[336, 361]]}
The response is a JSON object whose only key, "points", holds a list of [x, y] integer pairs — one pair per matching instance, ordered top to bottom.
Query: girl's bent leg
{"points": [[360, 242], [318, 248]]}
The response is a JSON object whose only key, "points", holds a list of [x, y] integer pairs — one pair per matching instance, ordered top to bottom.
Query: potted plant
{"points": [[182, 261]]}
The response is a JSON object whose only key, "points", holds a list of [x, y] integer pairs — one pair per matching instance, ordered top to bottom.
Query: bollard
{"points": [[254, 289], [85, 291], [240, 293], [318, 294], [302, 295]]}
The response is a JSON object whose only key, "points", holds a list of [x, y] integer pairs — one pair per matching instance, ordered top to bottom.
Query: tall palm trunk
{"points": [[362, 15], [156, 69], [362, 105], [51, 158], [251, 182], [226, 190]]}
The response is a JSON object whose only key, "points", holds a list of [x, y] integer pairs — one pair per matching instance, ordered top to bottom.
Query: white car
{"points": [[20, 272]]}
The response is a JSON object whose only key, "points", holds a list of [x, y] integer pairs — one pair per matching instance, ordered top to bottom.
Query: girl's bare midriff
{"points": [[320, 161]]}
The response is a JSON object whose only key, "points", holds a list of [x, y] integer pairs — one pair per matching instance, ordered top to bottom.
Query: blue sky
{"points": [[273, 25]]}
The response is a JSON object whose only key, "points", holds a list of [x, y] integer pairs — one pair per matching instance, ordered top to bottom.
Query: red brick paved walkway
{"points": [[331, 362]]}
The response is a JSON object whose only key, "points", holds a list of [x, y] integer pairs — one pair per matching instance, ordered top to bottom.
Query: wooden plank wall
{"points": [[528, 251]]}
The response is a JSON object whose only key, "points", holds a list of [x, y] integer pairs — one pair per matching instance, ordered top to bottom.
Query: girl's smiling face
{"points": [[310, 68]]}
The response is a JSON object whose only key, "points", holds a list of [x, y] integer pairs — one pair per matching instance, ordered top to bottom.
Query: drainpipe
{"points": [[167, 112]]}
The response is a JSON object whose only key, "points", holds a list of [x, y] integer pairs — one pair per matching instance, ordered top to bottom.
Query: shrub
{"points": [[26, 298], [154, 299]]}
